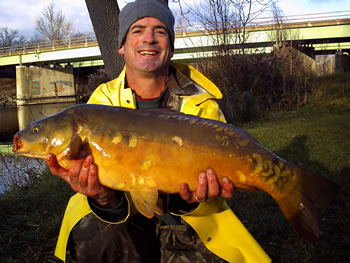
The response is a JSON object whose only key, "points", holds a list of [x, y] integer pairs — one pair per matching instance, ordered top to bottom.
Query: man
{"points": [[99, 225]]}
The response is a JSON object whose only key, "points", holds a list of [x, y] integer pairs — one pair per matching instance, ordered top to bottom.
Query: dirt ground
{"points": [[7, 91]]}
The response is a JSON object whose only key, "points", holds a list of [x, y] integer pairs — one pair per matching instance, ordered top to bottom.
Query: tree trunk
{"points": [[104, 17]]}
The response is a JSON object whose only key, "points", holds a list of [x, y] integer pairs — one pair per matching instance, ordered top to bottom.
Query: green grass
{"points": [[316, 137], [6, 149], [30, 219]]}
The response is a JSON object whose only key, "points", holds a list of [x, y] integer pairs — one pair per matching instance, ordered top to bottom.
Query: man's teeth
{"points": [[148, 52]]}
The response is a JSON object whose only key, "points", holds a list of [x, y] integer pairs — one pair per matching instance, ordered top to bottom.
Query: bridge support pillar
{"points": [[35, 85]]}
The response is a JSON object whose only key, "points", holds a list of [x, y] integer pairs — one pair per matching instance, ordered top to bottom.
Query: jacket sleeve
{"points": [[211, 110]]}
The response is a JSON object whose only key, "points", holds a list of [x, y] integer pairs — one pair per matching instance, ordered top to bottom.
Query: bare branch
{"points": [[52, 24], [10, 37]]}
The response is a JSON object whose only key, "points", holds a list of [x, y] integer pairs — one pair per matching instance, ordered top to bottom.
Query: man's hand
{"points": [[83, 178], [208, 188]]}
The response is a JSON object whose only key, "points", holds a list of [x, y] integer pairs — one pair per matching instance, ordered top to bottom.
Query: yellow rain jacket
{"points": [[215, 223]]}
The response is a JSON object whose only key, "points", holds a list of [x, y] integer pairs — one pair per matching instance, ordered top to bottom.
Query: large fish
{"points": [[143, 152]]}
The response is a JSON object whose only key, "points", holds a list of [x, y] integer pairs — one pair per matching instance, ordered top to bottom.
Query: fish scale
{"points": [[144, 152]]}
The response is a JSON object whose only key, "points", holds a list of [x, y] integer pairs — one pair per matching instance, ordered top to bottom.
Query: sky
{"points": [[21, 14]]}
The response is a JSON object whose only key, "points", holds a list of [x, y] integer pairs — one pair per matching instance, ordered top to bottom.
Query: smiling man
{"points": [[147, 52], [100, 224]]}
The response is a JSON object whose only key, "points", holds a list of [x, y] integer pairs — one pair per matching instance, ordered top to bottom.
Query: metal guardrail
{"points": [[90, 40], [84, 41]]}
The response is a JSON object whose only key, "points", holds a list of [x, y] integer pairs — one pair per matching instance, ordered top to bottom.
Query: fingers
{"points": [[55, 168], [85, 172], [79, 176], [82, 176], [213, 184], [94, 185], [202, 188], [208, 188], [227, 188], [185, 193]]}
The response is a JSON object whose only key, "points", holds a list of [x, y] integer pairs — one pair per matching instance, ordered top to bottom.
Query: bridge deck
{"points": [[325, 35]]}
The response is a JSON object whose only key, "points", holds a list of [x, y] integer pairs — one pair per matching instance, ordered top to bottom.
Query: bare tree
{"points": [[104, 17], [226, 21], [52, 24], [10, 37]]}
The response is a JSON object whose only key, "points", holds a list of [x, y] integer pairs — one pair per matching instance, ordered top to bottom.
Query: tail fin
{"points": [[300, 207]]}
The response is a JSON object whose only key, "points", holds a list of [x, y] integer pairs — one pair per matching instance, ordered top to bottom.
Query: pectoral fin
{"points": [[74, 147], [70, 152], [145, 201]]}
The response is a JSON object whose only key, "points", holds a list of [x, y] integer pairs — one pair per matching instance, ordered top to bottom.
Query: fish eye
{"points": [[35, 129]]}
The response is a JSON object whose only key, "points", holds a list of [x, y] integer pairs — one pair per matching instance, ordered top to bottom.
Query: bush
{"points": [[255, 85]]}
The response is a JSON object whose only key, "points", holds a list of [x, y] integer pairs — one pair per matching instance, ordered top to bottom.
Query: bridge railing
{"points": [[263, 21], [90, 40], [83, 41]]}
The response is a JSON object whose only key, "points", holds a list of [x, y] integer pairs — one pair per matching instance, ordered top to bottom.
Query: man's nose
{"points": [[149, 37]]}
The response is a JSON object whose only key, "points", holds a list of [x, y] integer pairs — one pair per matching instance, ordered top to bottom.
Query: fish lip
{"points": [[17, 143]]}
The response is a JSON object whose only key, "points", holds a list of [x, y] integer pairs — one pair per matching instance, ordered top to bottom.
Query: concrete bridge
{"points": [[325, 32], [44, 71]]}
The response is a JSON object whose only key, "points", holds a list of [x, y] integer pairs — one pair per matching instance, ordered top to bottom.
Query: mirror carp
{"points": [[146, 152]]}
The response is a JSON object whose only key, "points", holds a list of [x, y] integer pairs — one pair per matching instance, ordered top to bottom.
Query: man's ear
{"points": [[121, 50]]}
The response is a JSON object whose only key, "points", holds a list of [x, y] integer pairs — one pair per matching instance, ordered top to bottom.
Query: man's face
{"points": [[147, 47]]}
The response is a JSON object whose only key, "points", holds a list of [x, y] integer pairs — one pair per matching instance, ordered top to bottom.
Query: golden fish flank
{"points": [[79, 128], [220, 129], [117, 139], [177, 140], [223, 140], [133, 141], [243, 142], [231, 151], [256, 163], [146, 165], [278, 174], [242, 177], [132, 178], [140, 180]]}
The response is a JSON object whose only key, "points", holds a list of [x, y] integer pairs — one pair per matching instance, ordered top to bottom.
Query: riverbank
{"points": [[7, 91], [315, 137], [6, 149]]}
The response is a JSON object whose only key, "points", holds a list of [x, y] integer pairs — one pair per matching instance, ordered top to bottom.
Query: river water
{"points": [[14, 118], [17, 169]]}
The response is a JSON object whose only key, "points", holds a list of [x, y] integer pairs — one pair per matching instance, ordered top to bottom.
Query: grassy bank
{"points": [[316, 136], [6, 149], [30, 219]]}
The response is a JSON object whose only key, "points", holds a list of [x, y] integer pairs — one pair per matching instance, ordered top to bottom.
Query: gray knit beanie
{"points": [[145, 8]]}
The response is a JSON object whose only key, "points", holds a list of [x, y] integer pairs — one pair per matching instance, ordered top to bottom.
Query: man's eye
{"points": [[162, 32]]}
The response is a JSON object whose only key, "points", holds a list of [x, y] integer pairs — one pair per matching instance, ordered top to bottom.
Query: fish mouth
{"points": [[17, 143], [18, 149]]}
